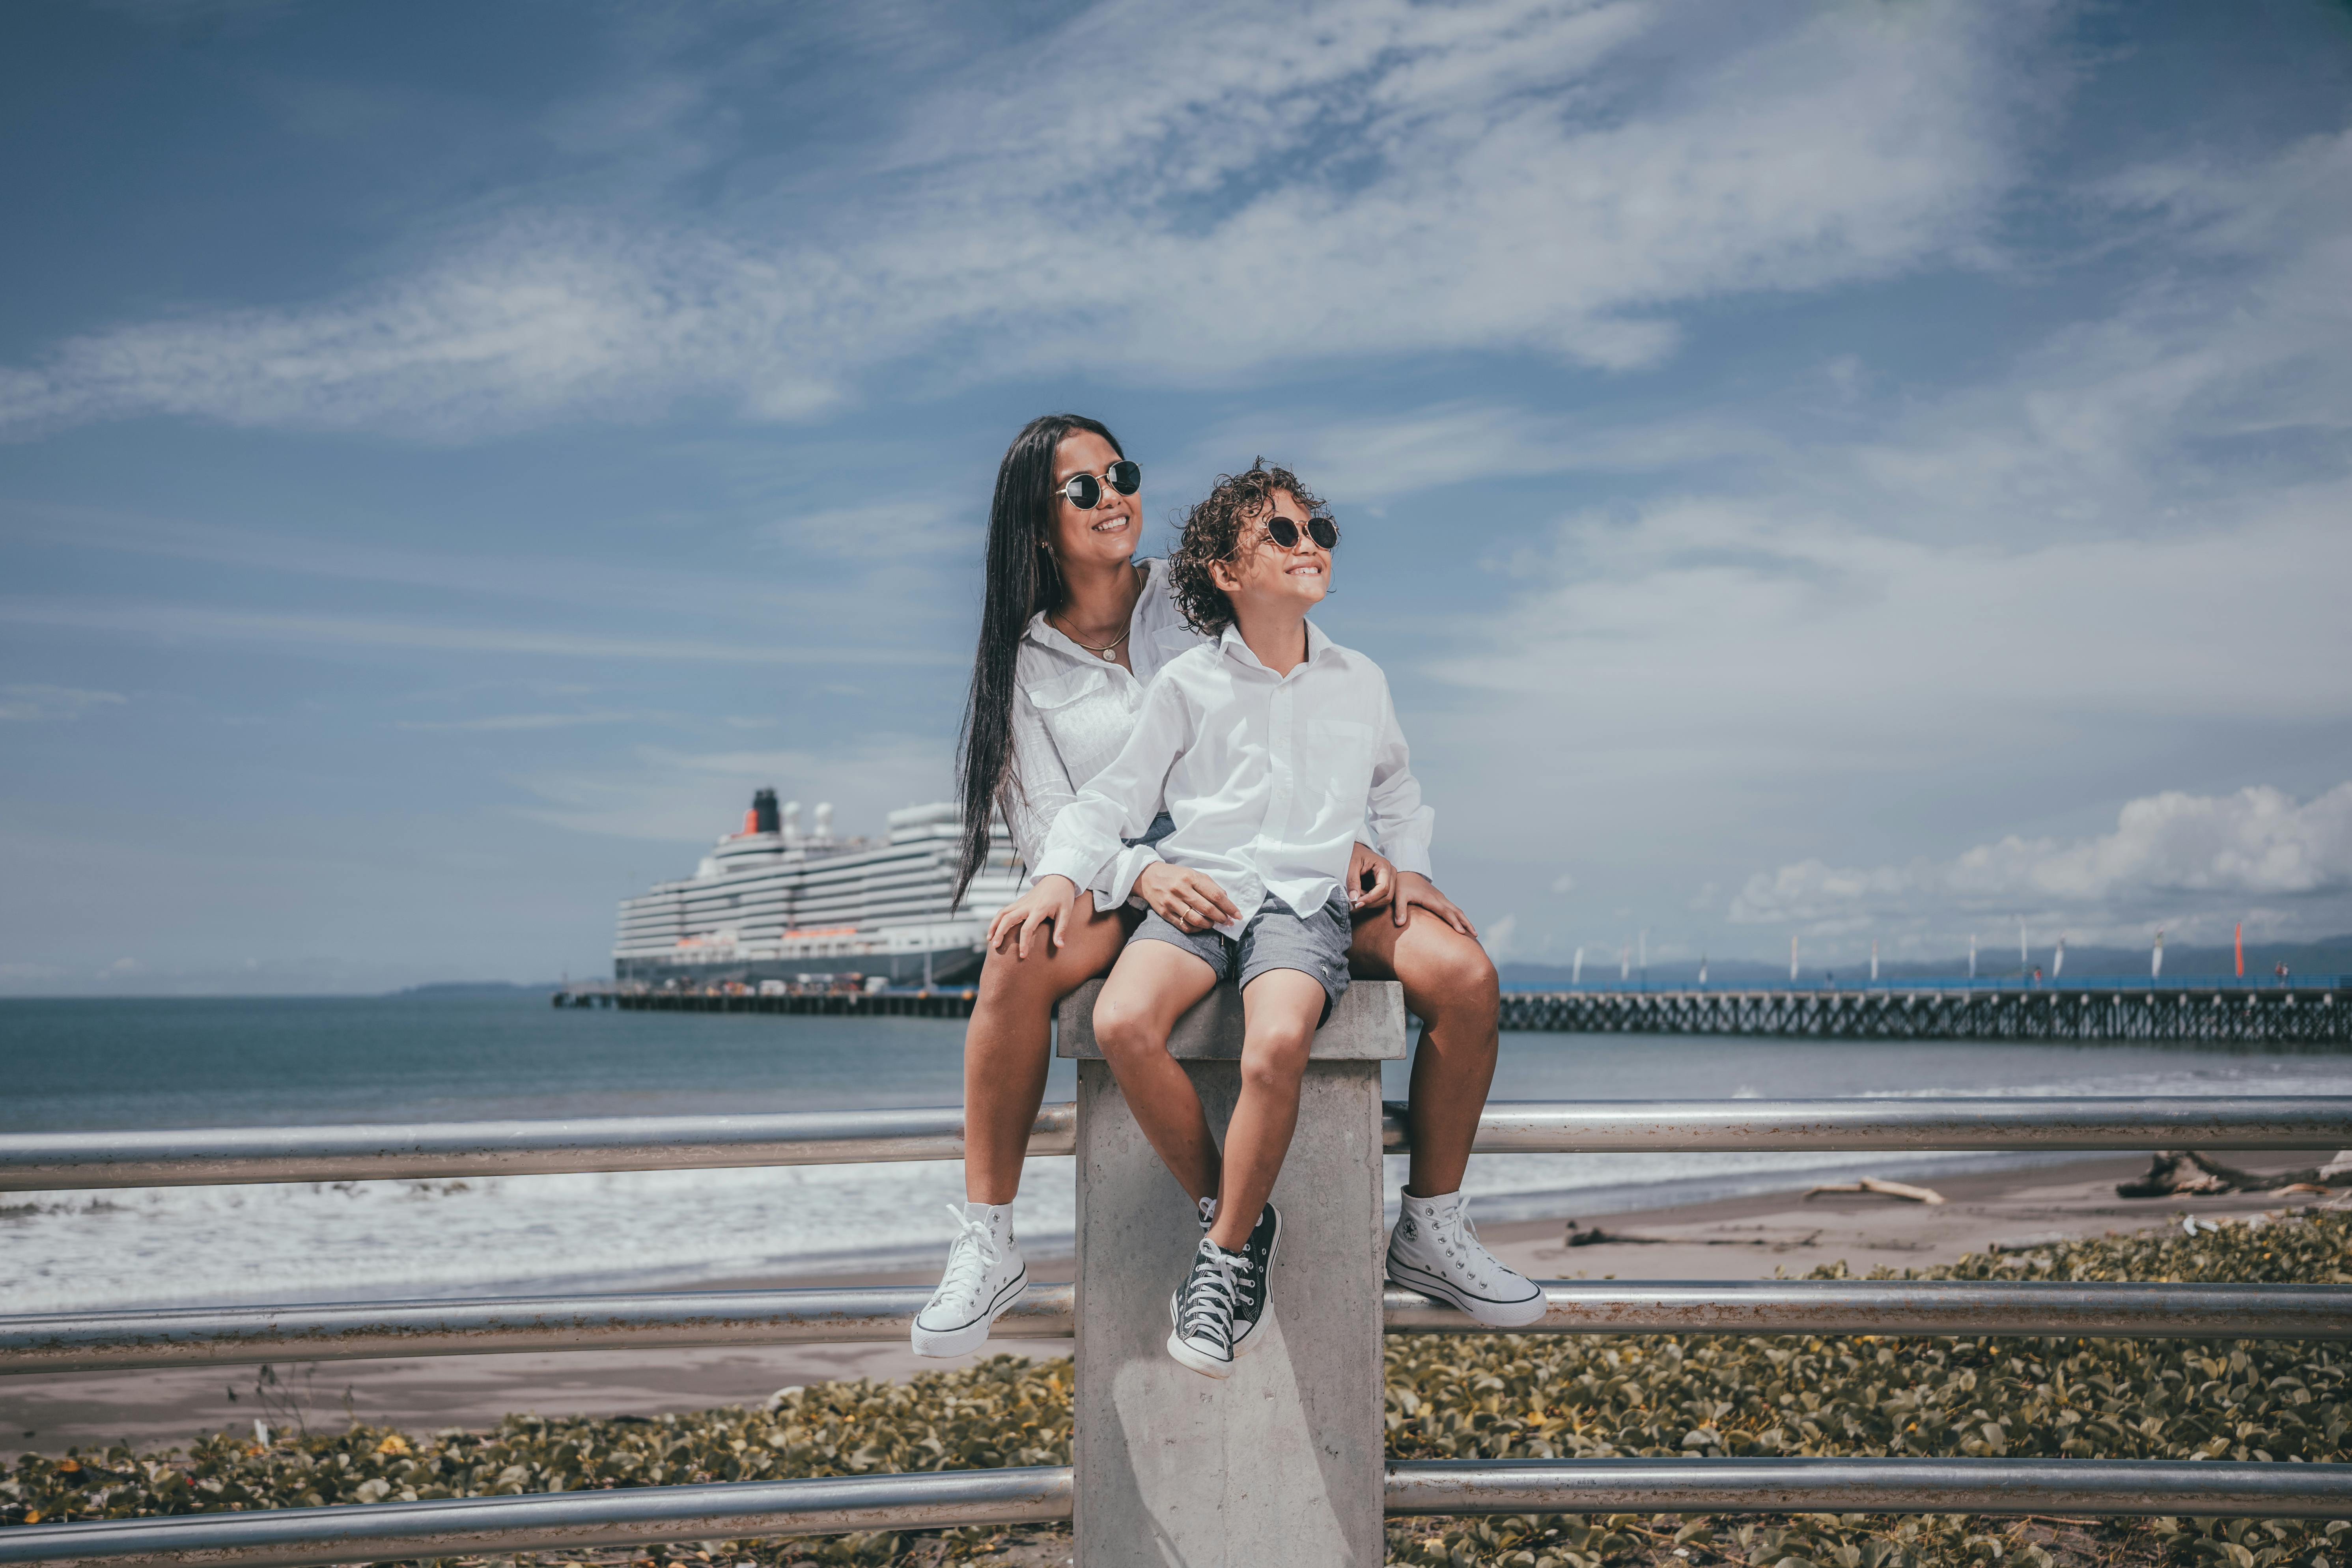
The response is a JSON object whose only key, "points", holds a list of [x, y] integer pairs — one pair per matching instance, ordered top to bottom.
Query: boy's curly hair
{"points": [[1215, 529]]}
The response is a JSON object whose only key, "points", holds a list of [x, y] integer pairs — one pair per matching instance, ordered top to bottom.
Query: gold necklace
{"points": [[1109, 652]]}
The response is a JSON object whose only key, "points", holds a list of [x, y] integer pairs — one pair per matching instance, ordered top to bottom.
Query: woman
{"points": [[1072, 628]]}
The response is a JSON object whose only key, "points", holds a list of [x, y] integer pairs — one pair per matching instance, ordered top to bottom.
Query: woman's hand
{"points": [[1362, 858], [1413, 888], [1189, 900], [1048, 902]]}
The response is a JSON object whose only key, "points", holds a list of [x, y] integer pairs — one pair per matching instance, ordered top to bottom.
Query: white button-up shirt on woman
{"points": [[1073, 712], [1269, 778]]}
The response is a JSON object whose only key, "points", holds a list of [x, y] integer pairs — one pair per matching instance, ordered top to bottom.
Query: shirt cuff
{"points": [[1408, 854], [1068, 864], [1125, 867]]}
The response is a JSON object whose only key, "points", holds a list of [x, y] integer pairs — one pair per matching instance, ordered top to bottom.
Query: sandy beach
{"points": [[1738, 1239]]}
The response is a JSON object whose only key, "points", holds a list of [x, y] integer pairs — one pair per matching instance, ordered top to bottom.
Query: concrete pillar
{"points": [[1282, 1461]]}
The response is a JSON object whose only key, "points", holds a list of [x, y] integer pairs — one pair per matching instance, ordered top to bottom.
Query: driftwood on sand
{"points": [[2181, 1171], [1883, 1189], [1593, 1236]]}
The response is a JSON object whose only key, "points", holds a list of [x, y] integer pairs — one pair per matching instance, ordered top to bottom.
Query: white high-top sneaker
{"points": [[1435, 1250], [984, 1276]]}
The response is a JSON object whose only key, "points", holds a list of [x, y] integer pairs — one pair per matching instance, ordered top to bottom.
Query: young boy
{"points": [[1270, 747]]}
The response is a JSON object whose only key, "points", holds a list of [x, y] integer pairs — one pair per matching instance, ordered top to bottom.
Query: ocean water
{"points": [[96, 1064]]}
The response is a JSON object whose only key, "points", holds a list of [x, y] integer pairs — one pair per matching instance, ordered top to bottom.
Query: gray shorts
{"points": [[1314, 945]]}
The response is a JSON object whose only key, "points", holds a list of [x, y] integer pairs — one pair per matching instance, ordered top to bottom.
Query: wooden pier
{"points": [[800, 1003], [2303, 1015]]}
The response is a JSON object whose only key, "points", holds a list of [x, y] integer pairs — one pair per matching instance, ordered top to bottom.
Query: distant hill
{"points": [[2309, 960], [479, 988]]}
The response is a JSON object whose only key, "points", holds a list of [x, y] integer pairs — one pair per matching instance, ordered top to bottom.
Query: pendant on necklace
{"points": [[1110, 654]]}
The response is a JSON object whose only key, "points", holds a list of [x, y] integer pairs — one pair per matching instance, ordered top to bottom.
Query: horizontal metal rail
{"points": [[1952, 1123], [200, 1156], [1954, 1306], [358, 1331], [228, 1336], [2116, 1488], [731, 1510], [554, 1521]]}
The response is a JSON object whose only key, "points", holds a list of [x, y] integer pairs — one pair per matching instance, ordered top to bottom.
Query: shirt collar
{"points": [[1230, 640]]}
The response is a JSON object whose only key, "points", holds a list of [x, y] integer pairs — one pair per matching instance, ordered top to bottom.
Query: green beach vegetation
{"points": [[1448, 1397]]}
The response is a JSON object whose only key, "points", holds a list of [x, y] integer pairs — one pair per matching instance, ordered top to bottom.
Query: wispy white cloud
{"points": [[1278, 189], [1395, 455], [896, 531], [2074, 537], [172, 621], [28, 702], [494, 722], [681, 796], [2196, 863]]}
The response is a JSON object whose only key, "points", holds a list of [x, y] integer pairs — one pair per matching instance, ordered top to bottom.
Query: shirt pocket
{"points": [[1085, 719], [1339, 751]]}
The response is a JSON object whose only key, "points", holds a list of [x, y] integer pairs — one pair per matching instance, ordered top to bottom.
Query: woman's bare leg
{"points": [[1451, 985], [1150, 988], [1281, 1008], [1007, 1041]]}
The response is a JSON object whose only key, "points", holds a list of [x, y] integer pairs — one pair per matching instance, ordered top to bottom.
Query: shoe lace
{"points": [[1457, 1238], [970, 1260], [1211, 1294]]}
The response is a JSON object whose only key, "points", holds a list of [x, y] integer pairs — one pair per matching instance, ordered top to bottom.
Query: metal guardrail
{"points": [[1951, 1122], [32, 1161], [36, 1162], [1967, 1307], [357, 1330], [228, 1336], [2118, 1487], [553, 1521], [559, 1521], [287, 1538]]}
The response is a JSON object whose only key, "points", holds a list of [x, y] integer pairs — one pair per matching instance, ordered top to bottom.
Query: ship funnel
{"points": [[764, 812], [792, 823], [824, 833]]}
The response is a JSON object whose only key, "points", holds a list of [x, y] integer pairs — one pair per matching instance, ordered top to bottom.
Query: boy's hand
{"points": [[1361, 859], [1413, 888], [1189, 900], [1048, 902]]}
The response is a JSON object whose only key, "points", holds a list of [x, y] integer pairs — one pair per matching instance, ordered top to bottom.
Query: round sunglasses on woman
{"points": [[1085, 491]]}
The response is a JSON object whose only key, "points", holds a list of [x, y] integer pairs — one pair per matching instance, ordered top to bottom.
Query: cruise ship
{"points": [[771, 903]]}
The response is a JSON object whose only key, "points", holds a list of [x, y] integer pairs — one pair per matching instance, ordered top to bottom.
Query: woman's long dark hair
{"points": [[1022, 581]]}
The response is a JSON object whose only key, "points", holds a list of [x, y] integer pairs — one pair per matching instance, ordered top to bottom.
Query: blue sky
{"points": [[1863, 471]]}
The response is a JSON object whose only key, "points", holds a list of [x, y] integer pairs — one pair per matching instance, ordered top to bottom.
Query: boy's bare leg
{"points": [[1152, 985], [1451, 986], [1281, 1008], [1010, 1037]]}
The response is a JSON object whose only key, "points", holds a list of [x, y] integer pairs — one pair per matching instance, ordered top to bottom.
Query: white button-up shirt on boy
{"points": [[1269, 778]]}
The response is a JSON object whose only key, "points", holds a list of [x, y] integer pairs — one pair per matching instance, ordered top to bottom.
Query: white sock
{"points": [[1431, 1203]]}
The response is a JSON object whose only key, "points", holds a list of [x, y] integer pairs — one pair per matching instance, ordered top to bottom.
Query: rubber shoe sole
{"points": [[1493, 1314], [968, 1337], [1207, 1365]]}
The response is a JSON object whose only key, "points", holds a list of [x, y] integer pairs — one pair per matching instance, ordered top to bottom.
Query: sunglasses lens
{"points": [[1126, 477], [1084, 492], [1283, 532], [1323, 532]]}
